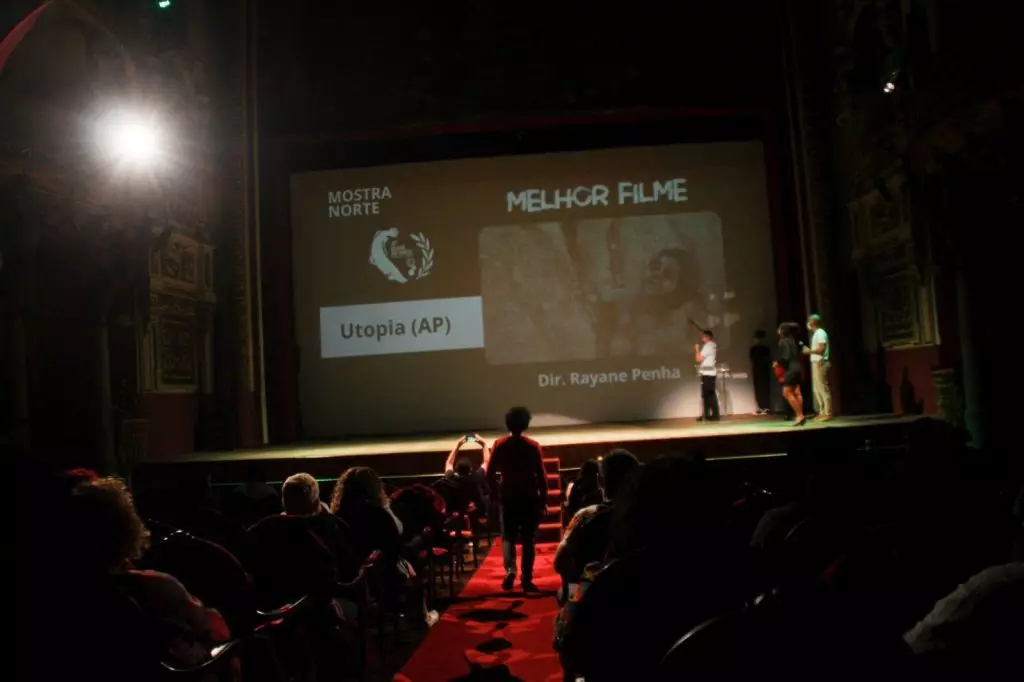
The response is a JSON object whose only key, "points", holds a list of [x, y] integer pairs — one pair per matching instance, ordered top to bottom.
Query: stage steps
{"points": [[551, 526]]}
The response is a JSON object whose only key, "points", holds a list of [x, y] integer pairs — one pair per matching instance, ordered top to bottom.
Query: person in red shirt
{"points": [[516, 472]]}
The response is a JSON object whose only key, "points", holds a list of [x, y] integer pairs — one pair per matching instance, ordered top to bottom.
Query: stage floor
{"points": [[591, 434]]}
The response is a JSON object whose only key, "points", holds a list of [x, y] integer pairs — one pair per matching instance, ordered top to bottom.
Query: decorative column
{"points": [[971, 200], [237, 208], [17, 235], [822, 251], [105, 252], [104, 395], [973, 408], [22, 427]]}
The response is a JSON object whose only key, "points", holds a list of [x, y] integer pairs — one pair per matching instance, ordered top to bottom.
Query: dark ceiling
{"points": [[341, 66]]}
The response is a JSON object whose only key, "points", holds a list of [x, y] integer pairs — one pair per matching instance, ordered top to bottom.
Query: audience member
{"points": [[465, 484], [465, 489], [583, 491], [300, 495], [360, 501], [418, 509], [825, 516], [931, 525], [586, 538], [100, 540], [303, 551], [869, 560], [669, 571], [979, 626]]}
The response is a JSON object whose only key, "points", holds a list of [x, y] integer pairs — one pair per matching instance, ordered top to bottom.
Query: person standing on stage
{"points": [[820, 352], [706, 355], [791, 371], [761, 372], [516, 472]]}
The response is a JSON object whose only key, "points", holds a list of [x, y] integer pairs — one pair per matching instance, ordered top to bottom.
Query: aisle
{"points": [[489, 634]]}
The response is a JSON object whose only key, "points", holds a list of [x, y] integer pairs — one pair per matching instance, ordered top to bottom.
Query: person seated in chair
{"points": [[465, 484], [583, 491], [360, 501], [421, 512], [588, 532], [98, 543], [301, 551], [670, 566]]}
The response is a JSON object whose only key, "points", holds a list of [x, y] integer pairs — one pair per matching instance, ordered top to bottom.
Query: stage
{"points": [[414, 456]]}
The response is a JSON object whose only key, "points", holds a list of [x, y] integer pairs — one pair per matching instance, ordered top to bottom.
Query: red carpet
{"points": [[491, 635]]}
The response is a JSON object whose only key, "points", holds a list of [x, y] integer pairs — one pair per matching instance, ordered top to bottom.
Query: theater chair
{"points": [[471, 529], [480, 529], [460, 538], [437, 558], [291, 563], [208, 571], [367, 593], [384, 600], [308, 610], [269, 629], [287, 629], [108, 633], [712, 650], [221, 659]]}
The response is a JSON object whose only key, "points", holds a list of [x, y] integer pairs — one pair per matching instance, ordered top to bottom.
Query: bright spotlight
{"points": [[889, 87], [129, 138]]}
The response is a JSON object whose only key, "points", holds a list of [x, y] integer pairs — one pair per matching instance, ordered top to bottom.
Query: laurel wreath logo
{"points": [[426, 254]]}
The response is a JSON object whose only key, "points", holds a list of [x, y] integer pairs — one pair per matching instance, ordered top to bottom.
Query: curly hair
{"points": [[789, 330], [517, 420], [359, 484], [102, 532]]}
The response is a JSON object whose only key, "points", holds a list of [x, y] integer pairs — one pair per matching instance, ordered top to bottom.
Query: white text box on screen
{"points": [[402, 327]]}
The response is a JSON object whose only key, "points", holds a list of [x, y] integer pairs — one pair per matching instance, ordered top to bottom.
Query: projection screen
{"points": [[431, 297]]}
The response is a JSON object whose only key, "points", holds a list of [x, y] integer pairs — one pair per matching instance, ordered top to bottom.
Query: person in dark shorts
{"points": [[792, 370], [761, 372], [516, 472]]}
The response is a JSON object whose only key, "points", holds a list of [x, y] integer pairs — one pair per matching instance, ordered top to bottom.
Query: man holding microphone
{"points": [[706, 355]]}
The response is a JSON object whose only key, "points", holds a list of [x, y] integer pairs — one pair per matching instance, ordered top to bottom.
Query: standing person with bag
{"points": [[789, 371]]}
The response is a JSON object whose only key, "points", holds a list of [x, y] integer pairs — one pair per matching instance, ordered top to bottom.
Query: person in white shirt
{"points": [[820, 352], [706, 355]]}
